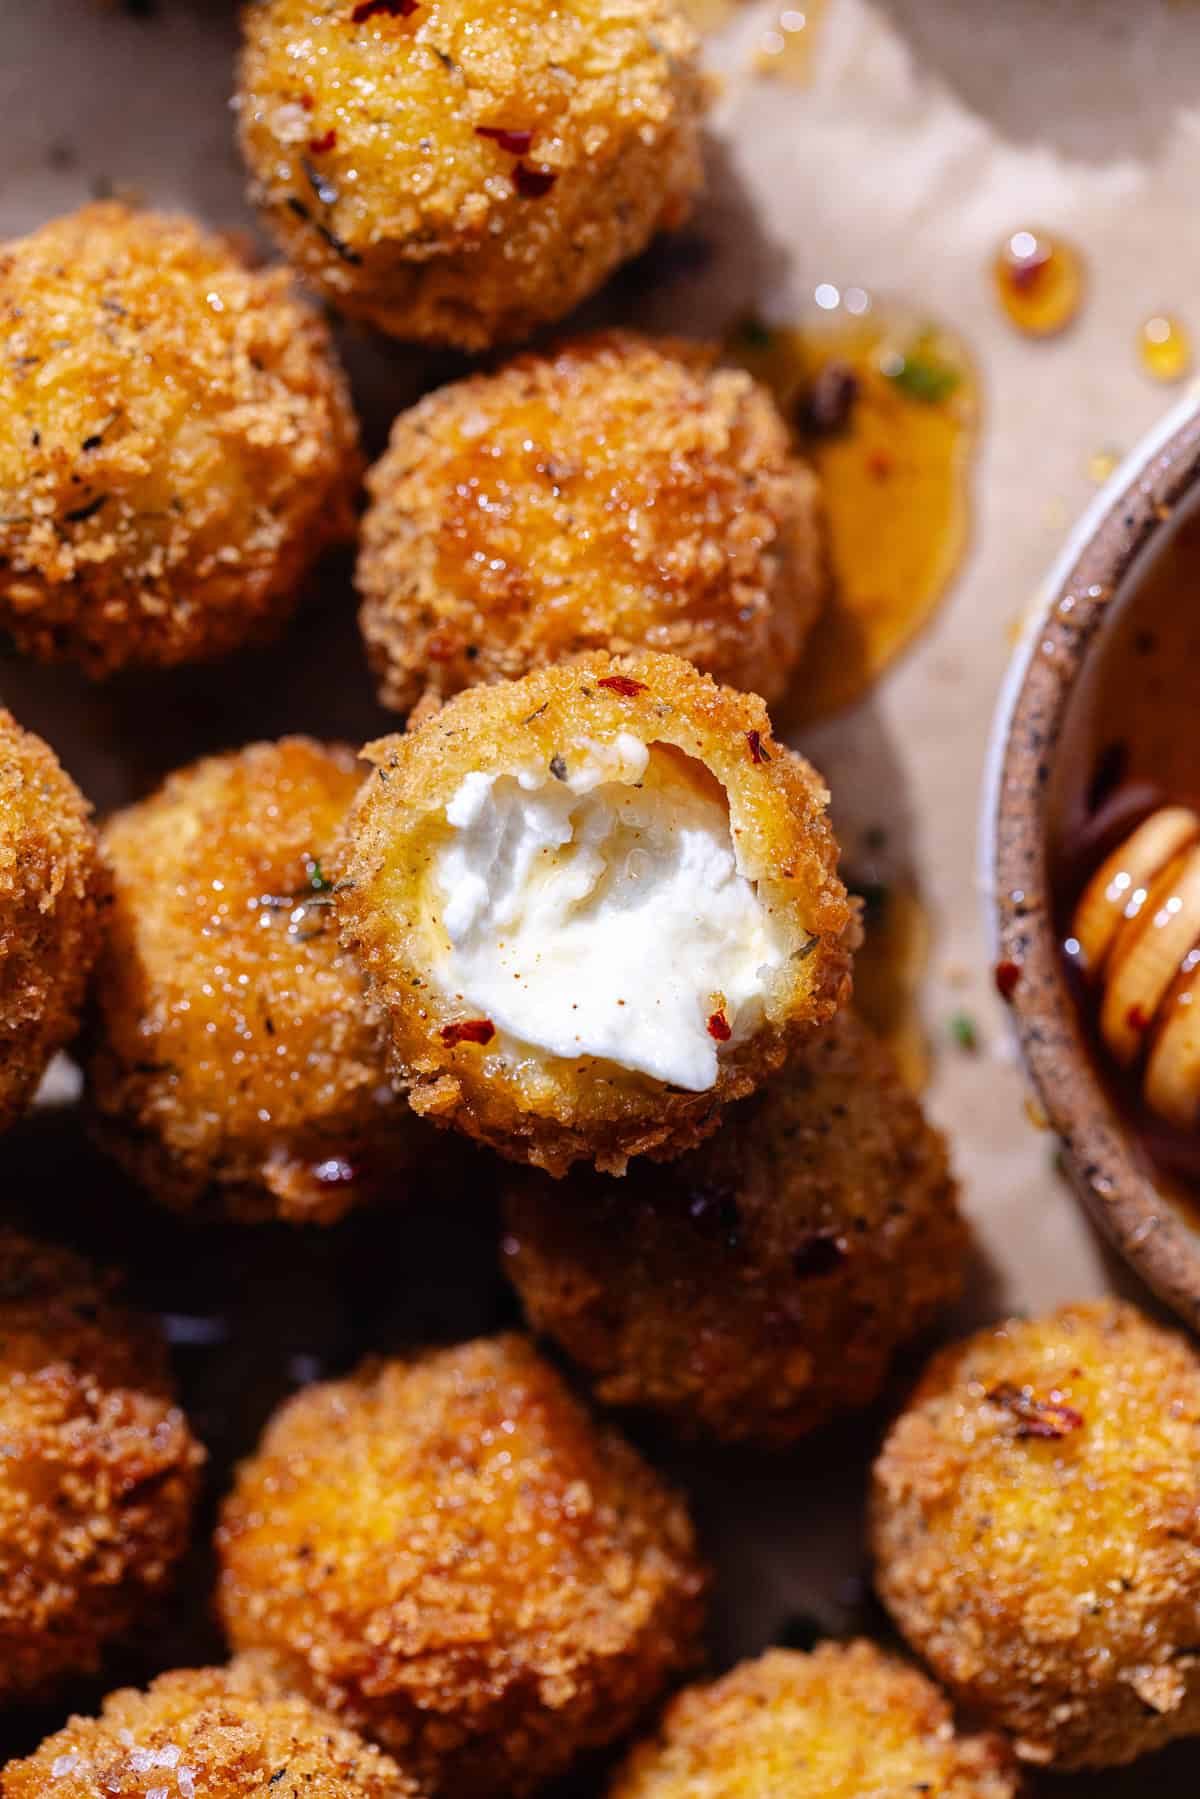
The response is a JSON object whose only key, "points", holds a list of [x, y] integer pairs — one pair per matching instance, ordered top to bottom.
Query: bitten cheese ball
{"points": [[461, 173], [176, 442], [617, 494], [52, 900], [596, 904], [235, 1064], [763, 1281], [98, 1472], [1036, 1527], [452, 1556], [845, 1722], [207, 1733]]}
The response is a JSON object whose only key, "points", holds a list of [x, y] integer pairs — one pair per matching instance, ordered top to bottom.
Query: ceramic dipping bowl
{"points": [[1050, 762]]}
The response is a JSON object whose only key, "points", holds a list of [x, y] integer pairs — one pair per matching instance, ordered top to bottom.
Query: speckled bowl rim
{"points": [[1121, 523]]}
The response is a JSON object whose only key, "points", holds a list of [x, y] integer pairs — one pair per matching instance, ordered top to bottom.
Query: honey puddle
{"points": [[786, 41], [885, 406], [889, 969]]}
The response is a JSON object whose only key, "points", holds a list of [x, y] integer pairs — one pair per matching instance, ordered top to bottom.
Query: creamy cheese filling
{"points": [[596, 908]]}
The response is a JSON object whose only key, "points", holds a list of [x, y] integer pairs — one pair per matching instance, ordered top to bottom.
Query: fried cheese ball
{"points": [[461, 173], [177, 444], [617, 494], [52, 898], [597, 904], [236, 1065], [762, 1282], [98, 1472], [1036, 1528], [450, 1554], [845, 1722], [207, 1733]]}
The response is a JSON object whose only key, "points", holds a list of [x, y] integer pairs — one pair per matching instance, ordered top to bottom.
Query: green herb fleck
{"points": [[922, 373], [316, 879], [965, 1032]]}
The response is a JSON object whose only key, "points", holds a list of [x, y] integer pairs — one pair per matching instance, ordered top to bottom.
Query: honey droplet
{"points": [[786, 47], [1039, 281], [1165, 347], [1102, 464]]}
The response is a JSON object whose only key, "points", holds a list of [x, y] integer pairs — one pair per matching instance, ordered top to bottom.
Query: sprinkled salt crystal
{"points": [[64, 1764], [185, 1780], [157, 1793]]}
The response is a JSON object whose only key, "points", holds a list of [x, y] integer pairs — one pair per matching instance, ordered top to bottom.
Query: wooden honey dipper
{"points": [[1137, 927]]}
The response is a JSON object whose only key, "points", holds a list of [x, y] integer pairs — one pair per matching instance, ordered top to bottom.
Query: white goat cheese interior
{"points": [[596, 908]]}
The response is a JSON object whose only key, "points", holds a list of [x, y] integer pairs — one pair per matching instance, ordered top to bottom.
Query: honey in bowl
{"points": [[885, 405], [1124, 849]]}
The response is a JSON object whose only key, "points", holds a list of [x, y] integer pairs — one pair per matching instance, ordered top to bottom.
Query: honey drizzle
{"points": [[894, 479]]}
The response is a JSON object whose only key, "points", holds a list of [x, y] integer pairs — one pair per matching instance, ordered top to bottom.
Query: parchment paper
{"points": [[930, 130]]}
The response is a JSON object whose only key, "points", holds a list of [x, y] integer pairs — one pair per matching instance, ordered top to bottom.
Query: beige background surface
{"points": [[931, 129]]}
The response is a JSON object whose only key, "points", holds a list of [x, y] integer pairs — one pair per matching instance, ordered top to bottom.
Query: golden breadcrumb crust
{"points": [[462, 173], [177, 444], [616, 494], [53, 894], [234, 1062], [540, 1108], [763, 1281], [98, 1472], [1036, 1527], [454, 1557], [845, 1722], [207, 1733]]}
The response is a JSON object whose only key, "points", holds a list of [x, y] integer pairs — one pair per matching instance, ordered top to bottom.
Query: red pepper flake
{"points": [[394, 9], [307, 102], [515, 142], [319, 145], [533, 183], [880, 463], [623, 684], [758, 749], [1006, 975], [1136, 1019], [718, 1027], [470, 1030], [1049, 1419]]}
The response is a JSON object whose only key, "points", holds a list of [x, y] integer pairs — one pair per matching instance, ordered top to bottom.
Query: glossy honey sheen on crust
{"points": [[464, 173], [176, 442], [619, 493], [53, 895], [234, 1062], [548, 1110], [763, 1281], [98, 1475], [1036, 1529], [450, 1554], [846, 1722], [207, 1733]]}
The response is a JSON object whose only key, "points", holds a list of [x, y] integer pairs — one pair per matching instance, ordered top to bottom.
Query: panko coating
{"points": [[461, 173], [177, 444], [617, 494], [53, 894], [597, 904], [236, 1064], [762, 1282], [98, 1473], [1036, 1528], [452, 1556], [846, 1722], [207, 1733]]}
